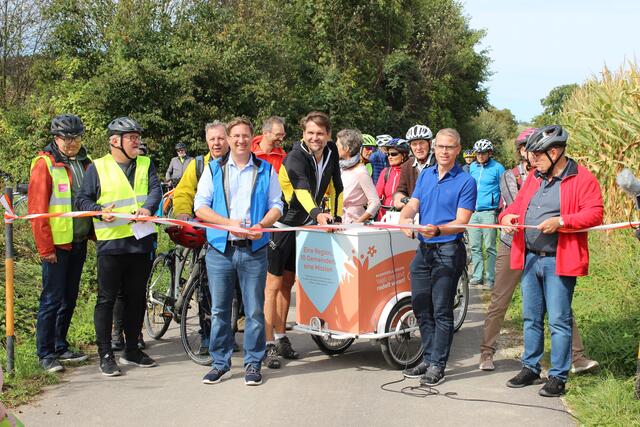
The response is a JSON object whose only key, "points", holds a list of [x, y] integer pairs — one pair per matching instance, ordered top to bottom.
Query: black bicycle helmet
{"points": [[66, 125], [123, 125], [546, 138], [180, 146]]}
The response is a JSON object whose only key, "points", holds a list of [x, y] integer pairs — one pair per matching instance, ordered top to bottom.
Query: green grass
{"points": [[606, 306]]}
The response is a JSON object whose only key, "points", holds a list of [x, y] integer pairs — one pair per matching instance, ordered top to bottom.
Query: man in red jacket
{"points": [[268, 146], [56, 176], [559, 194]]}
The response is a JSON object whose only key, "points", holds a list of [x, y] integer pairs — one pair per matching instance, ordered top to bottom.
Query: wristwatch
{"points": [[405, 199], [561, 222]]}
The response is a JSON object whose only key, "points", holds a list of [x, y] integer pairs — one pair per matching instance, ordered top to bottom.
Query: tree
{"points": [[553, 104], [498, 126]]}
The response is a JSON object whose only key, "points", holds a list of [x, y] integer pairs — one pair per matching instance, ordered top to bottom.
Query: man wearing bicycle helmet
{"points": [[216, 138], [419, 138], [368, 147], [469, 157], [378, 158], [177, 165], [486, 171], [56, 177], [123, 182], [238, 190], [558, 194], [507, 279]]}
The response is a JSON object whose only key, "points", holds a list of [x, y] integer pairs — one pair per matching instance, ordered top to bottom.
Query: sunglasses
{"points": [[393, 153]]}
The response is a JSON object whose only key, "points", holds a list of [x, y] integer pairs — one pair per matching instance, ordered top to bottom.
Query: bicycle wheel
{"points": [[20, 205], [461, 301], [159, 303], [195, 324], [332, 346], [402, 350]]}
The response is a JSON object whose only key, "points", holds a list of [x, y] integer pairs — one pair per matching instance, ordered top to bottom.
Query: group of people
{"points": [[248, 183]]}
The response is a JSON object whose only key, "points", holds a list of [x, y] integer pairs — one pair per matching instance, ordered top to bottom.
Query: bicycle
{"points": [[19, 194]]}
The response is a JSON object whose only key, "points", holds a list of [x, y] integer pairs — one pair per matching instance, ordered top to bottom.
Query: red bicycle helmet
{"points": [[187, 236]]}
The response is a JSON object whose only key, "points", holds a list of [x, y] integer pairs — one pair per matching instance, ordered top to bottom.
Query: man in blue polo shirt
{"points": [[445, 195]]}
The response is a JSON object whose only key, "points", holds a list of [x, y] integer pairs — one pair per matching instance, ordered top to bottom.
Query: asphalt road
{"points": [[316, 390]]}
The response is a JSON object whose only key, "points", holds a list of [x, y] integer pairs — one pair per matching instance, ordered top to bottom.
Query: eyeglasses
{"points": [[71, 139], [446, 147], [393, 153]]}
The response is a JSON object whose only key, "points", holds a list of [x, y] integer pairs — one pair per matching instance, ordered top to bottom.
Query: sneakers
{"points": [[285, 350], [72, 356], [137, 358], [271, 359], [486, 362], [51, 364], [584, 365], [108, 366], [416, 371], [215, 375], [252, 375], [433, 376], [524, 378], [553, 388]]}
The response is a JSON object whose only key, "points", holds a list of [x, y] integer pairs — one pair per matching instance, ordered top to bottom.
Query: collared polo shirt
{"points": [[440, 199]]}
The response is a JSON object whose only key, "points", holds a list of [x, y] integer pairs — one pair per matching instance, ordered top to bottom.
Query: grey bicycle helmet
{"points": [[67, 125], [123, 125], [419, 132], [546, 138], [399, 144], [180, 146], [483, 146]]}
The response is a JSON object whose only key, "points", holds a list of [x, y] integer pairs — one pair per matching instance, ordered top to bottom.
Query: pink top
{"points": [[359, 194]]}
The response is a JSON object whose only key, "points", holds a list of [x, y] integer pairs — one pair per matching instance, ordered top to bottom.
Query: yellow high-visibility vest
{"points": [[116, 190], [60, 201]]}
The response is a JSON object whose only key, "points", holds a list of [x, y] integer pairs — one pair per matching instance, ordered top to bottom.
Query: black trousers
{"points": [[126, 273]]}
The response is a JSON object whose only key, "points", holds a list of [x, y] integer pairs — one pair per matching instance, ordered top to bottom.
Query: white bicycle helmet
{"points": [[419, 132], [383, 140], [483, 146]]}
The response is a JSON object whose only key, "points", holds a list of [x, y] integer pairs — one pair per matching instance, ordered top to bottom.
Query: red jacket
{"points": [[275, 157], [386, 189], [39, 193], [580, 207]]}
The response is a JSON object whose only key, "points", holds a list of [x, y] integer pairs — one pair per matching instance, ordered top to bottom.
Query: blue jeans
{"points": [[478, 237], [250, 268], [435, 272], [60, 285], [544, 291]]}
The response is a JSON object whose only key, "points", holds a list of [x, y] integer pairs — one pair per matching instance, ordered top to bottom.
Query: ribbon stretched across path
{"points": [[10, 216]]}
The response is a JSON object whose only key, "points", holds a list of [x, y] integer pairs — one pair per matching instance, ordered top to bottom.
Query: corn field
{"points": [[603, 120]]}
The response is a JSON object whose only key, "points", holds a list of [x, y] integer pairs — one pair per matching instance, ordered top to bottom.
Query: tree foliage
{"points": [[174, 65], [553, 104], [498, 126]]}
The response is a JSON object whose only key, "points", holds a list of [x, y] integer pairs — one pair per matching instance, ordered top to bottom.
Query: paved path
{"points": [[317, 390]]}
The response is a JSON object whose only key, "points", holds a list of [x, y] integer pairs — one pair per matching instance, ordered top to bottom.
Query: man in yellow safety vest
{"points": [[56, 176], [122, 182]]}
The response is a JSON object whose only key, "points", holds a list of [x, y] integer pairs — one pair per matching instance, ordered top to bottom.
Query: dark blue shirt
{"points": [[378, 161], [441, 199]]}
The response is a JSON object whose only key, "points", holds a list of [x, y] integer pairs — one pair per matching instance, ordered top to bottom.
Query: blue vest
{"points": [[259, 202]]}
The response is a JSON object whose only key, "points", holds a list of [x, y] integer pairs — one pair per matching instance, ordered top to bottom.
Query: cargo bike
{"points": [[354, 284]]}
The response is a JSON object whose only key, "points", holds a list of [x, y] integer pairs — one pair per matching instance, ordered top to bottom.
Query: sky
{"points": [[538, 45]]}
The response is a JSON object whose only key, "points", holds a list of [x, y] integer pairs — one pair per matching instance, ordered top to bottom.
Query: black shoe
{"points": [[117, 342], [141, 344], [285, 350], [72, 356], [137, 358], [271, 359], [51, 364], [108, 366], [416, 371], [215, 375], [252, 375], [433, 376], [524, 378], [553, 388]]}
